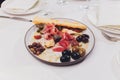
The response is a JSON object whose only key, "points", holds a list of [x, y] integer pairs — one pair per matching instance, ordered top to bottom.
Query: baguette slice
{"points": [[67, 24]]}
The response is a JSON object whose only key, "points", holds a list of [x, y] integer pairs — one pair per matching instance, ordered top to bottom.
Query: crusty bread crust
{"points": [[38, 20]]}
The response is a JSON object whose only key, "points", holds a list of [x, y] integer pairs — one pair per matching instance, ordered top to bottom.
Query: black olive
{"points": [[40, 27], [59, 27], [38, 30], [85, 35], [56, 38], [79, 38], [85, 40], [66, 52], [75, 55], [65, 58]]}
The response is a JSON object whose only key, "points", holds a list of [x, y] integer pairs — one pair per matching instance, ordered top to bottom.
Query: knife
{"points": [[16, 18], [112, 29]]}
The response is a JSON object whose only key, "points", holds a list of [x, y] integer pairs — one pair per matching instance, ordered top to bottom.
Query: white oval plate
{"points": [[35, 9], [30, 33]]}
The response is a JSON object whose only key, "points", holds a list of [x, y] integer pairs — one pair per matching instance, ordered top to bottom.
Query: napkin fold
{"points": [[105, 13], [109, 13]]}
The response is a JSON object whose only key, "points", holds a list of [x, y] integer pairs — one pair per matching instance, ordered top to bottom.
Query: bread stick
{"points": [[76, 25]]}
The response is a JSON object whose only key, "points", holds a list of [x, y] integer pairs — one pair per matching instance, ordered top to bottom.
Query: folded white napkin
{"points": [[19, 4], [105, 13], [109, 13]]}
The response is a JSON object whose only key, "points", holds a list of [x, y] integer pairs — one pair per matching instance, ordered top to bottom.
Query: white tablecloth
{"points": [[17, 64]]}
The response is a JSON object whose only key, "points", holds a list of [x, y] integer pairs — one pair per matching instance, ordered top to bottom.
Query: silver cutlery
{"points": [[16, 18], [112, 29], [110, 32], [110, 38]]}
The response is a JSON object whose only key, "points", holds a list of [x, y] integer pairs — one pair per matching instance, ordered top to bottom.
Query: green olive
{"points": [[75, 48], [82, 52]]}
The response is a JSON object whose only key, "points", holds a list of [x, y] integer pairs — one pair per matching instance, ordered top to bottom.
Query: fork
{"points": [[112, 29], [110, 38]]}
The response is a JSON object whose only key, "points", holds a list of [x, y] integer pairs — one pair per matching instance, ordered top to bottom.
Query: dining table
{"points": [[16, 63]]}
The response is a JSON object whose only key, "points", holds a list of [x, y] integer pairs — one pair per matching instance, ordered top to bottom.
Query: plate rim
{"points": [[21, 14], [65, 63]]}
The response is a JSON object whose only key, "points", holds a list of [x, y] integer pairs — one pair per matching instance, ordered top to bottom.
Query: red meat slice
{"points": [[48, 28], [49, 31], [37, 36], [67, 37], [64, 43], [58, 49]]}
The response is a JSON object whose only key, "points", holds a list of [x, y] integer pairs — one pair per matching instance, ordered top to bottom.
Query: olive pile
{"points": [[83, 38], [36, 48], [76, 52], [68, 54]]}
